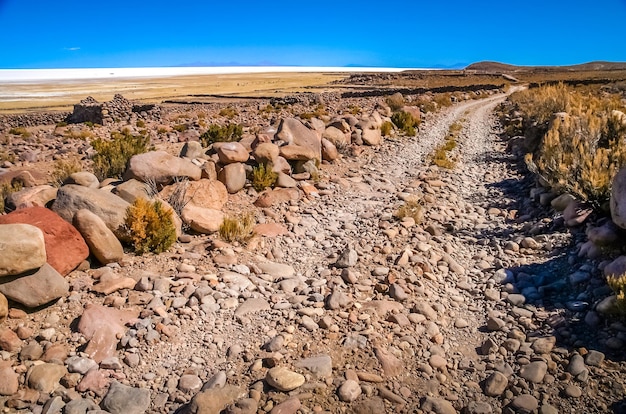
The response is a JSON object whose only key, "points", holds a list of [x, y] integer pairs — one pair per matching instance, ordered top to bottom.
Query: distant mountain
{"points": [[487, 66]]}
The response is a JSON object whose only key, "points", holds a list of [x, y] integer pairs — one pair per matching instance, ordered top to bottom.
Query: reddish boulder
{"points": [[65, 247]]}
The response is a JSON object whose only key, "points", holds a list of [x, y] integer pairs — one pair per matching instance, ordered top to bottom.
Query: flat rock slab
{"points": [[36, 288], [252, 305], [102, 326]]}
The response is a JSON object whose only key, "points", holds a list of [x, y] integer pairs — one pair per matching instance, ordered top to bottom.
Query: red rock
{"points": [[276, 196], [270, 229], [65, 247], [102, 325], [9, 341], [56, 353], [94, 381], [9, 383]]}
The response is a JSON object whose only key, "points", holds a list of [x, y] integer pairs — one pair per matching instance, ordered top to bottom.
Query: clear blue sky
{"points": [[115, 33]]}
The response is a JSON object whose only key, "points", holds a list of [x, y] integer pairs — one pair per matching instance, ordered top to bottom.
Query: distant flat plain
{"points": [[62, 94]]}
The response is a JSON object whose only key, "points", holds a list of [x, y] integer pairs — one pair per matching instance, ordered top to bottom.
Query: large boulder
{"points": [[294, 132], [371, 136], [338, 137], [329, 150], [231, 152], [266, 152], [298, 153], [160, 167], [233, 176], [84, 178], [131, 190], [203, 193], [38, 196], [618, 199], [109, 207], [202, 220], [102, 243], [65, 247], [23, 249], [34, 289]]}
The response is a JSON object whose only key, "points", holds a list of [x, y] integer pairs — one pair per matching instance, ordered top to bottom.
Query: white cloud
{"points": [[71, 49]]}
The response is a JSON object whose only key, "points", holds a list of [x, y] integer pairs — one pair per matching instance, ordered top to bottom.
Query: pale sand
{"points": [[61, 95]]}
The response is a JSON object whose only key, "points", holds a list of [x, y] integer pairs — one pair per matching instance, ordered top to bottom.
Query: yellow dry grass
{"points": [[62, 95]]}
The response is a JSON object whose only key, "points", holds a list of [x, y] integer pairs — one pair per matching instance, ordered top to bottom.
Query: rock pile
{"points": [[116, 110]]}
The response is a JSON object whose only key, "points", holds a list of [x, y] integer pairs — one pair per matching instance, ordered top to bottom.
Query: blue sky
{"points": [[392, 33]]}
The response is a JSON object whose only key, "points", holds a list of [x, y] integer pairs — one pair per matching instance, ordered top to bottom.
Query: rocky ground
{"points": [[482, 307]]}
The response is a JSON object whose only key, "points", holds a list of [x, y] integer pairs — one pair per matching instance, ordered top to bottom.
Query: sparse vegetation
{"points": [[354, 109], [228, 112], [318, 112], [405, 122], [140, 123], [180, 127], [386, 128], [21, 131], [219, 133], [582, 147], [112, 155], [440, 157], [63, 169], [263, 177], [7, 188], [411, 208], [150, 226], [238, 228], [618, 285]]}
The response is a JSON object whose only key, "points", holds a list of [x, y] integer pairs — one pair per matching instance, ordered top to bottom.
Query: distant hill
{"points": [[503, 67]]}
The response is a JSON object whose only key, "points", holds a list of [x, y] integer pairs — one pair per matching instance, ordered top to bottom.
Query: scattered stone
{"points": [[161, 167], [103, 244], [45, 377], [283, 379], [496, 384], [349, 391], [122, 399], [437, 406]]}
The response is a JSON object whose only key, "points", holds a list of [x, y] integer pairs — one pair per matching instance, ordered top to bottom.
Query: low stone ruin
{"points": [[116, 110]]}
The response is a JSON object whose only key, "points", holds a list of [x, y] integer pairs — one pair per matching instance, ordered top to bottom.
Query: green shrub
{"points": [[405, 122], [180, 127], [386, 128], [219, 133], [112, 155], [63, 169], [263, 177], [150, 226], [238, 229]]}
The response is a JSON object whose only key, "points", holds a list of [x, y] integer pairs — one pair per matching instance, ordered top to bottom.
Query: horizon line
{"points": [[47, 74]]}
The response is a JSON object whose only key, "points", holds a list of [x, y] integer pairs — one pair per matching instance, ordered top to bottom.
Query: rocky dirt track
{"points": [[355, 310]]}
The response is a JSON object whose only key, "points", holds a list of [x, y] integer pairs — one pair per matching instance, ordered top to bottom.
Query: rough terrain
{"points": [[353, 310]]}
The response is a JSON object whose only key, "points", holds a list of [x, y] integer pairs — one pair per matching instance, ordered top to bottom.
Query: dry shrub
{"points": [[229, 112], [318, 112], [406, 122], [386, 128], [219, 133], [583, 147], [112, 156], [63, 169], [263, 177], [7, 188], [411, 208], [150, 226], [238, 229], [618, 285]]}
